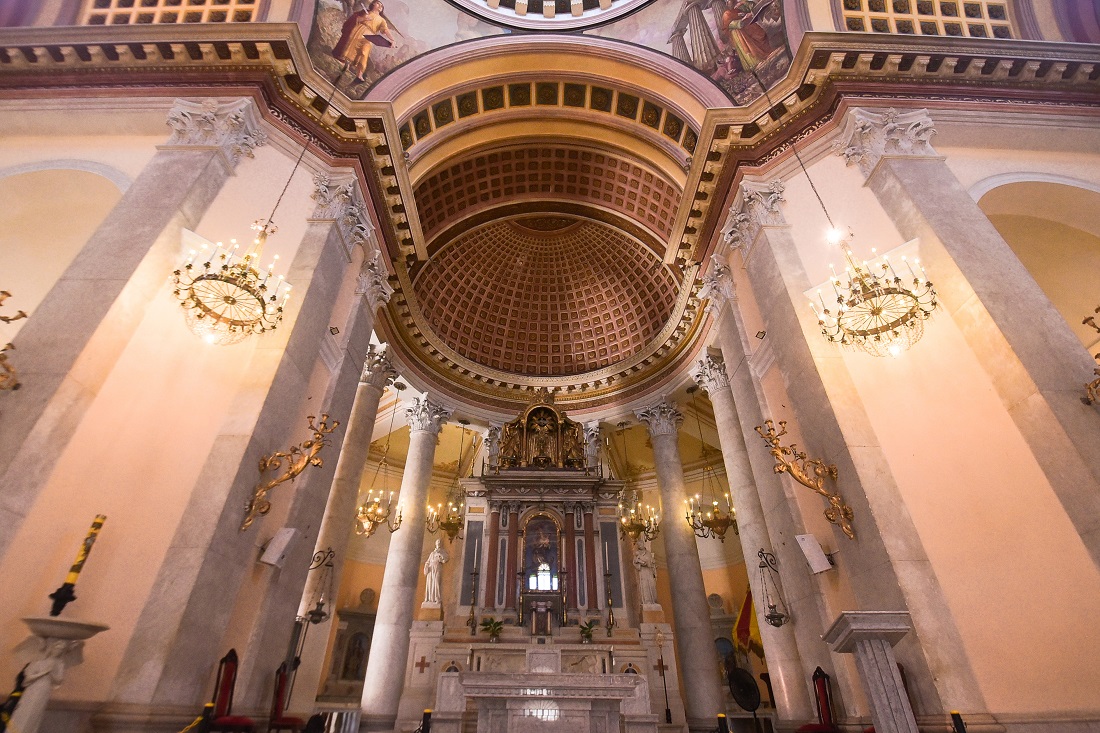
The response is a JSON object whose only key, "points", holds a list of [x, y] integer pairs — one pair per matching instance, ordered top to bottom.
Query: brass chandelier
{"points": [[377, 507], [635, 518], [454, 519], [708, 521]]}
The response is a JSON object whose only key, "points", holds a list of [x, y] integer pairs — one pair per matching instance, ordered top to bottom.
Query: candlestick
{"points": [[64, 595]]}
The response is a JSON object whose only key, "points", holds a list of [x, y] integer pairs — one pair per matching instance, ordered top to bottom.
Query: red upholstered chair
{"points": [[824, 706], [223, 720], [279, 721]]}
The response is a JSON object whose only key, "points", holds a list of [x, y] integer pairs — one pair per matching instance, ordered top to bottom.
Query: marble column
{"points": [[100, 298], [1037, 365], [336, 526], [513, 553], [570, 556], [492, 557], [889, 561], [593, 599], [871, 636], [389, 652], [698, 660], [791, 697]]}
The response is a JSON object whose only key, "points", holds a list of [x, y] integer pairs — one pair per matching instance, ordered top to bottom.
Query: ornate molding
{"points": [[233, 128], [868, 136], [759, 207], [374, 282], [718, 286], [377, 369], [710, 374], [425, 416], [662, 418]]}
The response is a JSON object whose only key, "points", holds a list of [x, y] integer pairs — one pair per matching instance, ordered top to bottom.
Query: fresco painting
{"points": [[357, 42]]}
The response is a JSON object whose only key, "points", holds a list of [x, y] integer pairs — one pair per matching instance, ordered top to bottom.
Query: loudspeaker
{"points": [[278, 547], [815, 556]]}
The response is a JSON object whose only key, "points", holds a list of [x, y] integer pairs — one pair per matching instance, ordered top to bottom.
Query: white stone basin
{"points": [[52, 627]]}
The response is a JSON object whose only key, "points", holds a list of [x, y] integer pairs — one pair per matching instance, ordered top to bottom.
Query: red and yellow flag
{"points": [[746, 630]]}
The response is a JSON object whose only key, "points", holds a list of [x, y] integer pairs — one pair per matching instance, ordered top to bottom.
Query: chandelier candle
{"points": [[64, 595]]}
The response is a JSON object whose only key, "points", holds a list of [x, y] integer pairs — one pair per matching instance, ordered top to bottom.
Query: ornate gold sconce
{"points": [[9, 380], [1092, 389], [297, 458], [809, 472]]}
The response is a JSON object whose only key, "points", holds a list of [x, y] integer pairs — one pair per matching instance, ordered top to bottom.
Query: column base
{"points": [[377, 723]]}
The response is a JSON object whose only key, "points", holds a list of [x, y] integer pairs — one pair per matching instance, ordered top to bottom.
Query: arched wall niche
{"points": [[1053, 226], [37, 243]]}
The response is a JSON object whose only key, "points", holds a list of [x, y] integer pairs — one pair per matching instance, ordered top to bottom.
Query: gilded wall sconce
{"points": [[9, 380], [1092, 389], [297, 458], [809, 472]]}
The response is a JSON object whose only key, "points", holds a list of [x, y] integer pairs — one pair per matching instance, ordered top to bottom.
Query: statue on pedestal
{"points": [[646, 565], [433, 571]]}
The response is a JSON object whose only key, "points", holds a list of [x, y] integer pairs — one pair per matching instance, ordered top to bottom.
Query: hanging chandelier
{"points": [[224, 296], [875, 311], [377, 507], [454, 518], [635, 518], [708, 520], [773, 601]]}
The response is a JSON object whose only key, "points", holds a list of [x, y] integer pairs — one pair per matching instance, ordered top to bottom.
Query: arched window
{"points": [[140, 12], [964, 18]]}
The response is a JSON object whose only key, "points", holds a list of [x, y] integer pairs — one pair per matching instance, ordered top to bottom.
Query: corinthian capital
{"points": [[233, 127], [868, 136], [339, 201], [759, 207], [374, 282], [718, 287], [377, 369], [710, 374], [425, 416], [662, 418]]}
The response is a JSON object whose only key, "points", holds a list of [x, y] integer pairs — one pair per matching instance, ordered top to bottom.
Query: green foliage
{"points": [[492, 626]]}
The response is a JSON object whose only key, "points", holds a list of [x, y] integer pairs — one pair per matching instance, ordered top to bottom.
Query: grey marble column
{"points": [[101, 297], [1036, 363], [335, 531], [888, 565], [871, 636], [389, 652], [698, 660], [792, 699]]}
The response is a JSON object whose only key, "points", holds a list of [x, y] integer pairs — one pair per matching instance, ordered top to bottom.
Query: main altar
{"points": [[542, 554]]}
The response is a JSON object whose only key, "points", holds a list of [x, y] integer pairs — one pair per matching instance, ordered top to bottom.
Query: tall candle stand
{"points": [[562, 577], [610, 609], [472, 621]]}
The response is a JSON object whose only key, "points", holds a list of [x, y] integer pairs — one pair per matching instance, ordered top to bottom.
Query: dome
{"points": [[550, 295]]}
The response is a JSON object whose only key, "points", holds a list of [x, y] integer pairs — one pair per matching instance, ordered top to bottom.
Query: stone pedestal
{"points": [[871, 636]]}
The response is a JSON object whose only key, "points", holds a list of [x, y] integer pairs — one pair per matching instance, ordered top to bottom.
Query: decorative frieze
{"points": [[233, 127], [869, 136], [377, 369], [710, 374], [425, 416], [662, 418]]}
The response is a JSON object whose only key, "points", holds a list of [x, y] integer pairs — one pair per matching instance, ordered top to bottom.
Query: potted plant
{"points": [[493, 627], [587, 629]]}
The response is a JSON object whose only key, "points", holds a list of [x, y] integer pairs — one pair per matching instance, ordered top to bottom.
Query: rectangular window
{"points": [[145, 12], [984, 18]]}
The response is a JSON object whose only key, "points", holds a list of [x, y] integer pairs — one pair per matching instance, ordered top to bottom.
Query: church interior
{"points": [[549, 365]]}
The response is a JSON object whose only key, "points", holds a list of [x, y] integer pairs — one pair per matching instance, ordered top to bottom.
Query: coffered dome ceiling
{"points": [[547, 295]]}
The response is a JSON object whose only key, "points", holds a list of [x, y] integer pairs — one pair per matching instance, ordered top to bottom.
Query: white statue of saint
{"points": [[646, 565], [433, 572], [45, 672]]}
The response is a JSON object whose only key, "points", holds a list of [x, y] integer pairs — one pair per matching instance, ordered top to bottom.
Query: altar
{"points": [[543, 697]]}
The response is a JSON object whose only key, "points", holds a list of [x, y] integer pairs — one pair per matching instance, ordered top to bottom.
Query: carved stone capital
{"points": [[233, 127], [869, 136], [339, 201], [759, 207], [374, 282], [718, 287], [377, 369], [710, 374], [425, 416], [662, 418]]}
